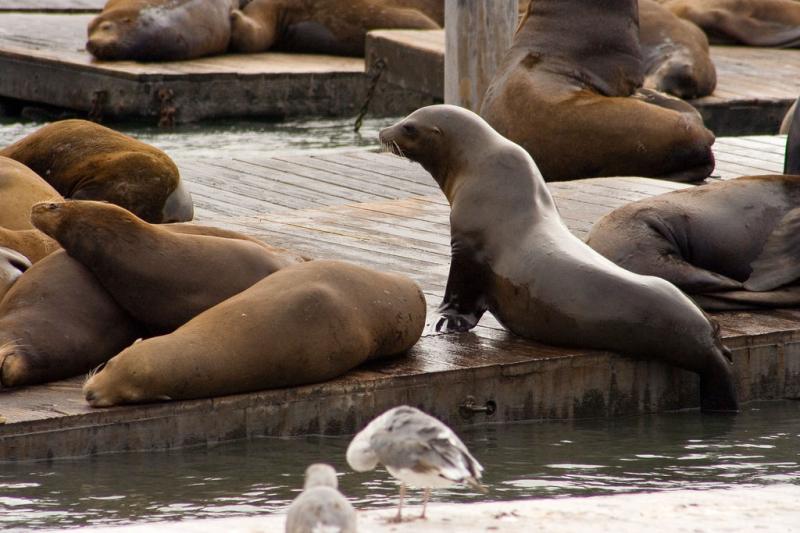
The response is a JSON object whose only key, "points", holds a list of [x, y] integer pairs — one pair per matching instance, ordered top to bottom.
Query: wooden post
{"points": [[478, 34]]}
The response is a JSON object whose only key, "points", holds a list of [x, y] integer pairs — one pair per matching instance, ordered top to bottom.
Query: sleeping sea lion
{"points": [[750, 22], [324, 26], [161, 30], [675, 53], [570, 92], [85, 161], [20, 188], [513, 256], [162, 278], [304, 324]]}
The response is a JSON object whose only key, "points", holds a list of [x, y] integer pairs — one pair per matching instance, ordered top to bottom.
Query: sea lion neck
{"points": [[601, 45]]}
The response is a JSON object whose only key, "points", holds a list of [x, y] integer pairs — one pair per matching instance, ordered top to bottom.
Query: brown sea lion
{"points": [[750, 22], [322, 26], [160, 30], [675, 53], [569, 92], [86, 161], [20, 188], [31, 243], [513, 256], [12, 266], [162, 278], [57, 321], [304, 324]]}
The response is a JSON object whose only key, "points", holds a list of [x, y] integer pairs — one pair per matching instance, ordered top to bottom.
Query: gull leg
{"points": [[425, 499], [399, 517]]}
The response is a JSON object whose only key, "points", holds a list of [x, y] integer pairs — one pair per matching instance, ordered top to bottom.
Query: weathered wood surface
{"points": [[61, 6], [478, 34], [43, 59], [755, 85], [385, 212]]}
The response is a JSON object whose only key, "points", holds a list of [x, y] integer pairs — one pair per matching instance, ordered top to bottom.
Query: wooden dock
{"points": [[52, 6], [43, 60], [755, 85], [384, 212]]}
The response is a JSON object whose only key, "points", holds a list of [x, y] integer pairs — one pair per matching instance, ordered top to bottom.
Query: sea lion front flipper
{"points": [[779, 262], [464, 303]]}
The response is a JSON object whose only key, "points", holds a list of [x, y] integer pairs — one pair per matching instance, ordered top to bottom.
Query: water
{"points": [[242, 139], [542, 460]]}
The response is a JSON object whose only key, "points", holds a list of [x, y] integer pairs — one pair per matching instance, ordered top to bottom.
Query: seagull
{"points": [[417, 449], [320, 508]]}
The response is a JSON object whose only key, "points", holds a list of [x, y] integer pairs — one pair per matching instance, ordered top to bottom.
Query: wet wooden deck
{"points": [[58, 6], [43, 59], [755, 85], [386, 213]]}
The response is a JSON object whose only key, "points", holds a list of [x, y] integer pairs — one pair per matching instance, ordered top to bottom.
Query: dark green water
{"points": [[544, 460]]}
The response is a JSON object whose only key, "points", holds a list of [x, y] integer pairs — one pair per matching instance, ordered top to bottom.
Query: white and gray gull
{"points": [[417, 449], [321, 508]]}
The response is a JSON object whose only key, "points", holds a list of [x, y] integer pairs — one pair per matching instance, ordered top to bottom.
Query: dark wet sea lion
{"points": [[750, 22], [323, 26], [160, 30], [675, 53], [569, 92], [85, 161], [20, 188], [513, 256], [12, 265], [162, 278], [57, 321], [304, 324]]}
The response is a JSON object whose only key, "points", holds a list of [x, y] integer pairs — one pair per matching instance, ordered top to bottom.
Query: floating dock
{"points": [[52, 6], [755, 86], [385, 212]]}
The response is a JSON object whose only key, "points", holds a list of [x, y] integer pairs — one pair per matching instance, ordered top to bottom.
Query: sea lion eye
{"points": [[409, 129], [51, 205]]}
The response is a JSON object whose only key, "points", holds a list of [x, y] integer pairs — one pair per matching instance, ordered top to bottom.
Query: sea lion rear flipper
{"points": [[752, 31], [779, 262]]}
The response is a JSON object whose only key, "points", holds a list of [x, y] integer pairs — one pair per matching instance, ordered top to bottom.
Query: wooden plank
{"points": [[59, 6]]}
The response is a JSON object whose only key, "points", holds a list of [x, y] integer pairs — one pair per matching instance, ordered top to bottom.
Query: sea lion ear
{"points": [[436, 130]]}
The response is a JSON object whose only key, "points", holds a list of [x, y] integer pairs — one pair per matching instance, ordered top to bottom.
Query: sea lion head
{"points": [[136, 33], [112, 34], [426, 135], [84, 219], [113, 383]]}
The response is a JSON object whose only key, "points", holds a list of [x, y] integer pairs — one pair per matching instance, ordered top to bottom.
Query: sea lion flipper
{"points": [[755, 32], [779, 262], [464, 303]]}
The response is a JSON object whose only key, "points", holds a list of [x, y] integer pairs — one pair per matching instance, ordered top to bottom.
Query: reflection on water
{"points": [[243, 139], [544, 459]]}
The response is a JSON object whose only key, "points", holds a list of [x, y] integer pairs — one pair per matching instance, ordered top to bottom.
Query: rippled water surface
{"points": [[236, 139], [545, 460]]}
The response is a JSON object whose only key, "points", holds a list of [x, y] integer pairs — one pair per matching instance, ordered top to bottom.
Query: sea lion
{"points": [[750, 22], [323, 26], [160, 30], [675, 53], [570, 92], [788, 120], [791, 126], [85, 161], [20, 188], [31, 243], [513, 256], [12, 265], [162, 278], [57, 321], [307, 323]]}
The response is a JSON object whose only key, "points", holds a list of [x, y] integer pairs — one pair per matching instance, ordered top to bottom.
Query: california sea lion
{"points": [[751, 22], [322, 26], [160, 30], [675, 53], [569, 92], [791, 126], [86, 161], [20, 188], [31, 243], [513, 256], [12, 265], [162, 278], [57, 321], [304, 324]]}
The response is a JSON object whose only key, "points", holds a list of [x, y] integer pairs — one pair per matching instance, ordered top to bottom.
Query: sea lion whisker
{"points": [[399, 150]]}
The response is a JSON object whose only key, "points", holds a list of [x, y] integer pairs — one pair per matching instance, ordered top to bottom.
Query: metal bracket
{"points": [[99, 99], [167, 110], [470, 407]]}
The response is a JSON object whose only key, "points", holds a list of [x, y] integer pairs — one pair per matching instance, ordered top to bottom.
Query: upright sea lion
{"points": [[751, 22], [323, 26], [161, 30], [675, 53], [569, 92], [86, 161], [20, 188], [513, 256], [12, 265], [162, 278], [57, 321], [304, 324]]}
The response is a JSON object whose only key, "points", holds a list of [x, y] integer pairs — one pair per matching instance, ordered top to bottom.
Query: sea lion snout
{"points": [[44, 216]]}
